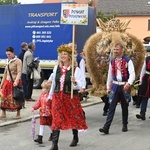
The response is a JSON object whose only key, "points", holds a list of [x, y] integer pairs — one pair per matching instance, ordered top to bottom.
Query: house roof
{"points": [[58, 1], [124, 7]]}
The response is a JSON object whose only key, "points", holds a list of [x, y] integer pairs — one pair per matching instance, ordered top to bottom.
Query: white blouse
{"points": [[143, 71]]}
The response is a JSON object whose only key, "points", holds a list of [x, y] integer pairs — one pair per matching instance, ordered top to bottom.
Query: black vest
{"points": [[67, 82]]}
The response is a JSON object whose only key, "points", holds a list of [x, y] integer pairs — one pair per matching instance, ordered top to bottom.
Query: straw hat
{"points": [[64, 48]]}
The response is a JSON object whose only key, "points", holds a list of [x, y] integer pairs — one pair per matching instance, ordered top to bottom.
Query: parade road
{"points": [[18, 136]]}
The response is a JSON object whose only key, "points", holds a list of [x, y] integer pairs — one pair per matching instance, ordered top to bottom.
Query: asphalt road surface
{"points": [[18, 136]]}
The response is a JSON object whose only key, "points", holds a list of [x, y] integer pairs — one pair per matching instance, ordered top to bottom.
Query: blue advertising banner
{"points": [[39, 23]]}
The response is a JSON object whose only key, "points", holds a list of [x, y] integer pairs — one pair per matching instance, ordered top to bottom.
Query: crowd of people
{"points": [[17, 73], [59, 102]]}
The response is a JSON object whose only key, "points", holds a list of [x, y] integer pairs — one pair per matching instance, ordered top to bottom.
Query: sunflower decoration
{"points": [[64, 48], [98, 51]]}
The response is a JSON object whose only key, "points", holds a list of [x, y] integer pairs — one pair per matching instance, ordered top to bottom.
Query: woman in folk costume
{"points": [[144, 90], [7, 101], [67, 113]]}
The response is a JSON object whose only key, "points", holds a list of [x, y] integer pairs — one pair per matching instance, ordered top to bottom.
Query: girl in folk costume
{"points": [[14, 65], [144, 90], [45, 111], [67, 113]]}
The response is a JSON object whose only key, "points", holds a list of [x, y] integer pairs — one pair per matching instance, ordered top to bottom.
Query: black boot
{"points": [[124, 128], [50, 138], [55, 138], [75, 138], [39, 139]]}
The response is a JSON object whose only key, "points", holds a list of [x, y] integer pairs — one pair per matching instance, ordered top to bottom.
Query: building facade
{"points": [[138, 11]]}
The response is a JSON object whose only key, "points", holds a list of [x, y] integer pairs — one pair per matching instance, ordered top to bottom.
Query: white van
{"points": [[147, 46]]}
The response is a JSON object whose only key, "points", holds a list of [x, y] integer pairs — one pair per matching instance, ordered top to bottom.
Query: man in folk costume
{"points": [[121, 75], [144, 90], [67, 113]]}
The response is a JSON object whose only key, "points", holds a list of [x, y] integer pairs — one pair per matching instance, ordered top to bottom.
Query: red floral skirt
{"points": [[7, 101], [67, 113], [46, 120]]}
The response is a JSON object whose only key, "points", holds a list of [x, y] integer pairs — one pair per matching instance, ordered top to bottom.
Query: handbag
{"points": [[18, 94]]}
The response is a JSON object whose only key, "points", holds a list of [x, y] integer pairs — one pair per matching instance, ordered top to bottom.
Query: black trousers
{"points": [[27, 86], [119, 96], [105, 99]]}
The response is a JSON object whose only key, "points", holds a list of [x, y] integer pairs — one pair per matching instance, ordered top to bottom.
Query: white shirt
{"points": [[82, 67], [143, 71], [119, 75]]}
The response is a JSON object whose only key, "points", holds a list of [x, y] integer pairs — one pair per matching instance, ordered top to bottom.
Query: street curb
{"points": [[18, 121], [11, 122]]}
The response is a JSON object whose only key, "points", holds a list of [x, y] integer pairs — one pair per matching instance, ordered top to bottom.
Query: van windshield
{"points": [[147, 48]]}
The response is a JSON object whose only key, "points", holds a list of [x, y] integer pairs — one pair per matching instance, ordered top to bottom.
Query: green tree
{"points": [[7, 2], [90, 2], [105, 17]]}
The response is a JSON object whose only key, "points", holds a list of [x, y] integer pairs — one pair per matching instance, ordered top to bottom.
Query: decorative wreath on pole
{"points": [[98, 51]]}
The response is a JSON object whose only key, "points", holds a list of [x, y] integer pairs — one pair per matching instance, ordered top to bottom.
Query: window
{"points": [[148, 25]]}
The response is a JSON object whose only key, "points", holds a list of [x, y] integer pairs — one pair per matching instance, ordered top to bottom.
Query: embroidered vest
{"points": [[124, 68], [67, 82]]}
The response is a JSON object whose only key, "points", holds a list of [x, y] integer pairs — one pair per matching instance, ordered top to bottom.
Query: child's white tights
{"points": [[41, 131]]}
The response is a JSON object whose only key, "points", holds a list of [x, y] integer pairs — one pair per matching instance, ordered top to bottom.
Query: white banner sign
{"points": [[76, 14]]}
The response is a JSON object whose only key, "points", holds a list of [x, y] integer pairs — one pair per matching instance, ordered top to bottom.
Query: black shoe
{"points": [[30, 100], [137, 106], [104, 113], [142, 117], [124, 128], [104, 130], [39, 139]]}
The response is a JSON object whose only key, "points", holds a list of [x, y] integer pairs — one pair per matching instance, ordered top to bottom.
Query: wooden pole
{"points": [[73, 44]]}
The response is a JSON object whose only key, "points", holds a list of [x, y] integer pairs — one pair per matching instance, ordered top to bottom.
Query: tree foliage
{"points": [[8, 2], [91, 3], [105, 17]]}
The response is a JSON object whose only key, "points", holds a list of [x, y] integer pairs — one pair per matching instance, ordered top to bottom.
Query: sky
{"points": [[30, 1]]}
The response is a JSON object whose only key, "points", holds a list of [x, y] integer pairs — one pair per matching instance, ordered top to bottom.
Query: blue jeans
{"points": [[144, 102]]}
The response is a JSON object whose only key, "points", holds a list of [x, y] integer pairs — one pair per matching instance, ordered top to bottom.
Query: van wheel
{"points": [[37, 84]]}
